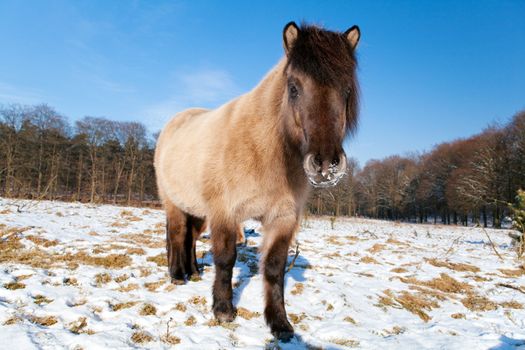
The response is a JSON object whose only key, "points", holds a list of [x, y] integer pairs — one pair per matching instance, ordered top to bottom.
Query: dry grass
{"points": [[144, 240], [334, 240], [42, 241], [376, 248], [135, 251], [160, 260], [369, 260], [453, 266], [399, 270], [513, 272], [102, 278], [121, 278], [70, 281], [444, 283], [14, 285], [152, 286], [128, 288], [298, 289], [40, 299], [197, 300], [416, 303], [478, 303], [511, 305], [122, 306], [180, 307], [147, 310], [247, 314], [458, 315], [296, 318], [12, 320], [349, 320], [45, 321], [190, 321], [232, 326], [79, 327], [141, 337], [170, 339], [345, 342]]}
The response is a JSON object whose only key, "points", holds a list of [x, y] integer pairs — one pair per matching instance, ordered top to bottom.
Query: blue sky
{"points": [[430, 71]]}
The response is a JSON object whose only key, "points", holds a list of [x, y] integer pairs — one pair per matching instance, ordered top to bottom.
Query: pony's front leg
{"points": [[278, 236], [224, 250]]}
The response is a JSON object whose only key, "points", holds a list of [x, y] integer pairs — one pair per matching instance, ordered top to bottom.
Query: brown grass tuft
{"points": [[376, 248], [160, 260], [369, 260], [453, 266], [399, 270], [513, 272], [102, 278], [121, 278], [14, 285], [152, 286], [128, 288], [298, 288], [40, 299], [197, 300], [416, 303], [478, 303], [511, 305], [122, 306], [180, 307], [147, 310], [247, 314], [458, 315], [296, 318], [349, 320], [45, 321], [190, 321], [78, 326], [141, 337], [345, 342]]}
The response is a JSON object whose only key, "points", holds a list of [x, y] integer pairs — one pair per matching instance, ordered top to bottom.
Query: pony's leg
{"points": [[194, 227], [176, 229], [278, 235], [223, 237]]}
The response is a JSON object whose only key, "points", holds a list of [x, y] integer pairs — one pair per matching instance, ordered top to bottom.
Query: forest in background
{"points": [[471, 180]]}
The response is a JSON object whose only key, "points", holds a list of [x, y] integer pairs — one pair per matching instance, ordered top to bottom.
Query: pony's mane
{"points": [[325, 56]]}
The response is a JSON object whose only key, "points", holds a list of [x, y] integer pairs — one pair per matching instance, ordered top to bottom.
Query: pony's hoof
{"points": [[177, 281], [224, 312], [284, 336]]}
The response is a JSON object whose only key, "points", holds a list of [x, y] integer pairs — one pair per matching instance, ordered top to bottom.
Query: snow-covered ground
{"points": [[94, 277]]}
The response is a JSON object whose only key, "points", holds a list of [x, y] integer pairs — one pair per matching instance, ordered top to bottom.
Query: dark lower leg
{"points": [[194, 228], [175, 236], [224, 255], [274, 312]]}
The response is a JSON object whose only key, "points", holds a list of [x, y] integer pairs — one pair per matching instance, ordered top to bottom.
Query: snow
{"points": [[345, 289]]}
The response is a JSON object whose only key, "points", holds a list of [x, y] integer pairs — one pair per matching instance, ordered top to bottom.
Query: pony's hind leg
{"points": [[194, 227], [182, 232], [278, 236], [223, 237]]}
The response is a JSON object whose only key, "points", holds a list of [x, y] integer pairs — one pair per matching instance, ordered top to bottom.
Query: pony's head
{"points": [[320, 102]]}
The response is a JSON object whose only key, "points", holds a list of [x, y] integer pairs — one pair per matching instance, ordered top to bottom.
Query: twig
{"points": [[454, 242], [492, 244], [294, 258], [519, 289]]}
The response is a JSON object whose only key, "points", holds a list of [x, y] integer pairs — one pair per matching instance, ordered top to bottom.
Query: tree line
{"points": [[42, 156], [472, 180]]}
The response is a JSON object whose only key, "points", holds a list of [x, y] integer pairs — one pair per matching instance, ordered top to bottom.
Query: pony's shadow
{"points": [[248, 258], [297, 342], [508, 343]]}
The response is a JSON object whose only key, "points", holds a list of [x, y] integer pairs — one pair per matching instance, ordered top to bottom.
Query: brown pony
{"points": [[254, 157]]}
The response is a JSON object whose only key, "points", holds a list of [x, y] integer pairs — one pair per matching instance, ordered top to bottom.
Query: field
{"points": [[82, 276]]}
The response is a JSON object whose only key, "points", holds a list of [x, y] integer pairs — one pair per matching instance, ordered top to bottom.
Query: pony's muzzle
{"points": [[324, 172]]}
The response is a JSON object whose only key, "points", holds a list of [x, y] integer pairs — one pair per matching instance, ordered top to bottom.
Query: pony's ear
{"points": [[290, 33], [352, 35]]}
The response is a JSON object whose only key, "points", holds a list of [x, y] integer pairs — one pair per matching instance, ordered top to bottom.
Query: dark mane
{"points": [[326, 56]]}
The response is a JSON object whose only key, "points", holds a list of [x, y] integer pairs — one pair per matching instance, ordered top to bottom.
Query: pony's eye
{"points": [[293, 91]]}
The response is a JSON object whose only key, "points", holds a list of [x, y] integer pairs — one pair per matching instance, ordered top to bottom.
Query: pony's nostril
{"points": [[318, 161], [335, 161]]}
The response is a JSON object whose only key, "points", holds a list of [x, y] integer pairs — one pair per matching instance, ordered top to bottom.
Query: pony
{"points": [[256, 157]]}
